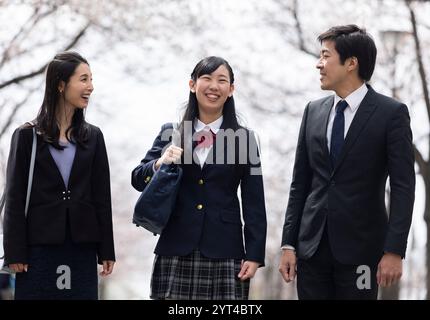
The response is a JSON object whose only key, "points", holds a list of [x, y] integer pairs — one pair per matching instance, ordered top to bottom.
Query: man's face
{"points": [[333, 73]]}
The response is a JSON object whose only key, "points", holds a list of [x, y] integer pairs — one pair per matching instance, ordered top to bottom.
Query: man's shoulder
{"points": [[321, 101], [386, 101], [315, 105]]}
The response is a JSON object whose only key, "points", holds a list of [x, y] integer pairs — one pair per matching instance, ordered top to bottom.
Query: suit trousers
{"points": [[322, 277]]}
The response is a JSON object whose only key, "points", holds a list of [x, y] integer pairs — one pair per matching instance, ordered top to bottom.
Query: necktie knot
{"points": [[341, 106]]}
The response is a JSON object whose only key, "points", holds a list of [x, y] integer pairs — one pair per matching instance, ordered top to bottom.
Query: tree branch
{"points": [[298, 26], [24, 30], [6, 52], [421, 69], [32, 74], [17, 106]]}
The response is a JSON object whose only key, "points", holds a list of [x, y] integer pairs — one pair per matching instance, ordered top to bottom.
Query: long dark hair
{"points": [[207, 66], [61, 68]]}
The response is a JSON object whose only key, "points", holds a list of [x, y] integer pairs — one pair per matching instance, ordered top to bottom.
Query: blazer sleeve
{"points": [[143, 173], [402, 181], [300, 185], [102, 199], [253, 205], [15, 239]]}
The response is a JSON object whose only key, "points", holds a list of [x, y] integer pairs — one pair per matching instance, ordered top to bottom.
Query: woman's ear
{"points": [[61, 86], [192, 86], [231, 90]]}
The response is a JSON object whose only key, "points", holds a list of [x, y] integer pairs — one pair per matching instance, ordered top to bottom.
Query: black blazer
{"points": [[350, 197], [86, 200], [207, 212]]}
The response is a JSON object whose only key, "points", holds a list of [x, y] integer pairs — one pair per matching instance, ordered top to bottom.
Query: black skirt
{"points": [[59, 272], [195, 277]]}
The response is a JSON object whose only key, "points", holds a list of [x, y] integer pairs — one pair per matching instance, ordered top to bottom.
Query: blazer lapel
{"points": [[365, 110], [324, 116], [45, 156], [76, 161]]}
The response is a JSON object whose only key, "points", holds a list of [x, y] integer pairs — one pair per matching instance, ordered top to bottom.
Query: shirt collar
{"points": [[354, 98], [214, 126]]}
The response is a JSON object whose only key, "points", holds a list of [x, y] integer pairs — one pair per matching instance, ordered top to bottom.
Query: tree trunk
{"points": [[427, 220], [428, 261]]}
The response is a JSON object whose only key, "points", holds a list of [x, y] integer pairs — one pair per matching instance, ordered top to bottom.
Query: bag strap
{"points": [[31, 171], [30, 177], [2, 201]]}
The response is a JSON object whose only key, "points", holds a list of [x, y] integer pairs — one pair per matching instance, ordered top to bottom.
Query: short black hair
{"points": [[352, 41]]}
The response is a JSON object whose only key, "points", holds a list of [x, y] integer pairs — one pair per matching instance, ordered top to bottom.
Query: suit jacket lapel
{"points": [[365, 110], [324, 116]]}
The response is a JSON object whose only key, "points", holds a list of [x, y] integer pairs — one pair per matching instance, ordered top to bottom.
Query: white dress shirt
{"points": [[354, 99], [202, 152]]}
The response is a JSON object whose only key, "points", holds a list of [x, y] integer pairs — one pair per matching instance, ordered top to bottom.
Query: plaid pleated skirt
{"points": [[195, 277]]}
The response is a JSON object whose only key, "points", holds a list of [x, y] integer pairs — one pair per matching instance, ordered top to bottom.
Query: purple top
{"points": [[64, 159]]}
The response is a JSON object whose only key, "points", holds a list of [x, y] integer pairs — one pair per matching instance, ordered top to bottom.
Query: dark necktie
{"points": [[337, 133]]}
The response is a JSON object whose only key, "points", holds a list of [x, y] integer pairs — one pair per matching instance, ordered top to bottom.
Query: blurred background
{"points": [[141, 54]]}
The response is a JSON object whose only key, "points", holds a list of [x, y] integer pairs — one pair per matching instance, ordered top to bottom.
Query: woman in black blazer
{"points": [[68, 228], [205, 252]]}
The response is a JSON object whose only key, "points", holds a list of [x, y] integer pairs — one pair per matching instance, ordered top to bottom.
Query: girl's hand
{"points": [[171, 155], [18, 267]]}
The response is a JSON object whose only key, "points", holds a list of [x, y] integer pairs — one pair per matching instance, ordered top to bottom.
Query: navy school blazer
{"points": [[86, 200], [207, 214]]}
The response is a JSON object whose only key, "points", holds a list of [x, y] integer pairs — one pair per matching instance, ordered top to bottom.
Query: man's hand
{"points": [[288, 264], [107, 267], [389, 269]]}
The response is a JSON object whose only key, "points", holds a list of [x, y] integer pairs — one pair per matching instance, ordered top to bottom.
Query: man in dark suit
{"points": [[337, 234]]}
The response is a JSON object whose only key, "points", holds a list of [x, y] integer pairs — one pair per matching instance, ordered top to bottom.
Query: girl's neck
{"points": [[207, 118]]}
